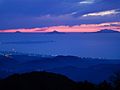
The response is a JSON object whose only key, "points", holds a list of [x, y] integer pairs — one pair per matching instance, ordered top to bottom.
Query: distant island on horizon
{"points": [[100, 31], [107, 31], [18, 32], [55, 32], [58, 32]]}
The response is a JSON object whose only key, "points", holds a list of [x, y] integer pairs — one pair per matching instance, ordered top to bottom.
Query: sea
{"points": [[94, 45]]}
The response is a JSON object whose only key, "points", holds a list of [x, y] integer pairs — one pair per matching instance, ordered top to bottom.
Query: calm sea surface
{"points": [[101, 45]]}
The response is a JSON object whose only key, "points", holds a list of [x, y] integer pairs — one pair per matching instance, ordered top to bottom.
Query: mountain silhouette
{"points": [[107, 31], [18, 32], [55, 32], [37, 81], [51, 81]]}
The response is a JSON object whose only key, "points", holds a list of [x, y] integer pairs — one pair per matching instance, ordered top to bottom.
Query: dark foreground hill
{"points": [[37, 81], [52, 81]]}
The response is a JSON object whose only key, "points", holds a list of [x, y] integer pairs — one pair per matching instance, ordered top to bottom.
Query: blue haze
{"points": [[103, 45]]}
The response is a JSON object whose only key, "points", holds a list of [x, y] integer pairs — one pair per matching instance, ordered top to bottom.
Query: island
{"points": [[107, 31], [55, 32]]}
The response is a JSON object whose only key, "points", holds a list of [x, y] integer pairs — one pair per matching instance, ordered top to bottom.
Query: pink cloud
{"points": [[75, 28]]}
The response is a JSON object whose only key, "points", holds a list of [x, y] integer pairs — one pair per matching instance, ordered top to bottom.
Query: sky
{"points": [[61, 15]]}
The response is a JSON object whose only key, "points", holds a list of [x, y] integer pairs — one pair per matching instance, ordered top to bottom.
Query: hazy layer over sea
{"points": [[95, 45]]}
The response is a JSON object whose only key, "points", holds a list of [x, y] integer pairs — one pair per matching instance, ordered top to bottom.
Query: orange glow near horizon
{"points": [[75, 28]]}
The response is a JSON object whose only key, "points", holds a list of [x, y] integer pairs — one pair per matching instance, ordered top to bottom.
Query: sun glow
{"points": [[75, 28]]}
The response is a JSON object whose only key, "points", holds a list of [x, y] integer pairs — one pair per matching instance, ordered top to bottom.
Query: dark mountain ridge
{"points": [[107, 31], [55, 32]]}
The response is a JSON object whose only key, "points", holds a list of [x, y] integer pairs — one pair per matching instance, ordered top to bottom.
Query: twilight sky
{"points": [[61, 15]]}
